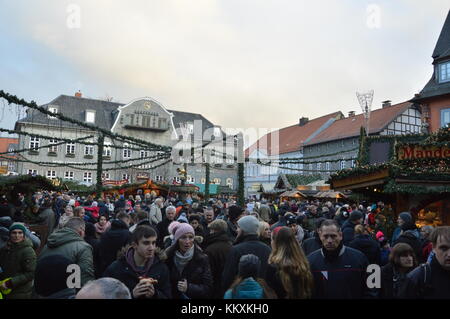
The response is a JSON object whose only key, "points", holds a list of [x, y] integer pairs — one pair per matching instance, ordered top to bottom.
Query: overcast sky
{"points": [[240, 63]]}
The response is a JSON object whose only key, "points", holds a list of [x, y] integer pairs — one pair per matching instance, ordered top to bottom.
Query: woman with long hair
{"points": [[402, 260], [289, 273]]}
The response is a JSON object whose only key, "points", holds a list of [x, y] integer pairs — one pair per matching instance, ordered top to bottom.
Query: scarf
{"points": [[101, 229], [182, 260], [138, 270]]}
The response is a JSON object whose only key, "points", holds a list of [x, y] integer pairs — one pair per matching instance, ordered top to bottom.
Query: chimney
{"points": [[78, 94], [386, 103], [351, 114], [303, 121]]}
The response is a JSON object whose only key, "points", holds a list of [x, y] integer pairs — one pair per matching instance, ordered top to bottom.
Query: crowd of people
{"points": [[148, 246]]}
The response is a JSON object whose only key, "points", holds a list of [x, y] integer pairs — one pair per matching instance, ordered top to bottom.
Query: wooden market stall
{"points": [[414, 176], [288, 195]]}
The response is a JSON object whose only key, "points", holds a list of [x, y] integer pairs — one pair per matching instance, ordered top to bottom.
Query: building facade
{"points": [[144, 119], [337, 147], [8, 165]]}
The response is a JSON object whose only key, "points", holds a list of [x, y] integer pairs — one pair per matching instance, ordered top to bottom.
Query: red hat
{"points": [[275, 231], [380, 236]]}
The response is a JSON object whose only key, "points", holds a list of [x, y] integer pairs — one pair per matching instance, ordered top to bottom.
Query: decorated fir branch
{"points": [[15, 100], [67, 140]]}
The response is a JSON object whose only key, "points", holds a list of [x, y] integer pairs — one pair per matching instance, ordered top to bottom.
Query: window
{"points": [[444, 72], [53, 110], [90, 116], [445, 117], [190, 128], [217, 132], [34, 142], [53, 148], [70, 148], [89, 150], [107, 150], [126, 151], [144, 154], [353, 163], [343, 164], [327, 166], [11, 167], [33, 172], [51, 174], [68, 175], [106, 176], [87, 177], [126, 177], [158, 178], [177, 179], [190, 179], [203, 181], [216, 181], [229, 182]]}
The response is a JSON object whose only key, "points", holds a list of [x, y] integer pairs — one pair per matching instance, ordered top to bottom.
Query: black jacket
{"points": [[162, 231], [348, 232], [111, 242], [311, 244], [250, 245], [219, 246], [368, 246], [121, 270], [197, 273], [343, 278], [392, 282], [435, 285]]}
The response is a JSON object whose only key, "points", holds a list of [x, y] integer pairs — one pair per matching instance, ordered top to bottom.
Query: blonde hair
{"points": [[262, 225], [359, 230], [292, 265]]}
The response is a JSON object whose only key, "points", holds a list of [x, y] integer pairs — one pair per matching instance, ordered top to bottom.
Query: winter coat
{"points": [[265, 212], [155, 215], [232, 230], [162, 231], [348, 232], [412, 238], [111, 242], [68, 243], [312, 244], [250, 245], [219, 246], [368, 246], [18, 262], [122, 271], [197, 272], [343, 278], [274, 281], [392, 282], [436, 286], [249, 288]]}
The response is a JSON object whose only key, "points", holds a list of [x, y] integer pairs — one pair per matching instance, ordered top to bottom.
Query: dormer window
{"points": [[444, 72], [53, 110], [90, 116], [217, 132]]}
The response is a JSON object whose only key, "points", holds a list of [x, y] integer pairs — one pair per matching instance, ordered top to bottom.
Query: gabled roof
{"points": [[442, 48], [441, 52], [75, 107], [105, 113], [351, 126], [292, 138], [6, 142]]}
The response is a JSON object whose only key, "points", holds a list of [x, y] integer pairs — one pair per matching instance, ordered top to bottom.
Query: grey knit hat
{"points": [[249, 224]]}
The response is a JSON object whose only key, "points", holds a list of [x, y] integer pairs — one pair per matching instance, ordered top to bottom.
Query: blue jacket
{"points": [[343, 278], [248, 289]]}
